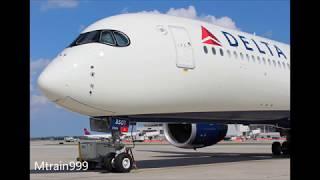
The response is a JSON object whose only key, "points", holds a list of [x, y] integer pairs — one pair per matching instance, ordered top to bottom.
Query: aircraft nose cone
{"points": [[51, 84]]}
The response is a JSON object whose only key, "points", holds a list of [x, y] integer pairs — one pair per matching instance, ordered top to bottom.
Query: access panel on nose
{"points": [[184, 51]]}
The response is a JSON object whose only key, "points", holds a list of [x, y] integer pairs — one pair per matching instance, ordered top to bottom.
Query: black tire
{"points": [[276, 148], [285, 148], [107, 162], [123, 163], [91, 165]]}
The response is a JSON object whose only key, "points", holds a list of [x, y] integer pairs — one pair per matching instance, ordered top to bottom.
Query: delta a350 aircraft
{"points": [[193, 76]]}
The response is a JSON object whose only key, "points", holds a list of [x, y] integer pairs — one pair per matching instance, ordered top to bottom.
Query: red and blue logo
{"points": [[209, 38]]}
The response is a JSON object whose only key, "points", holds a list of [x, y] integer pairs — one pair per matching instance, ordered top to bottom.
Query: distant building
{"points": [[263, 128], [237, 130], [264, 131]]}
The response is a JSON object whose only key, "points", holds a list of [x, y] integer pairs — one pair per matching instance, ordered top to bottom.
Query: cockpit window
{"points": [[88, 37], [107, 38], [121, 39]]}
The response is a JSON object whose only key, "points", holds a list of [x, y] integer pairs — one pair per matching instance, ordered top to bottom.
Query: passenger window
{"points": [[107, 38], [121, 39], [205, 49], [213, 51], [221, 52], [228, 52], [235, 54], [241, 55], [252, 57], [248, 58], [258, 59], [264, 60], [269, 62], [274, 63], [279, 64], [284, 65], [288, 65]]}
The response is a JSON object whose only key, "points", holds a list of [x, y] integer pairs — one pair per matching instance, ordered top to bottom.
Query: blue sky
{"points": [[56, 23]]}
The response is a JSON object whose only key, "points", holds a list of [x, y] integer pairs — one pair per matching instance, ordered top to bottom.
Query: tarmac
{"points": [[224, 161]]}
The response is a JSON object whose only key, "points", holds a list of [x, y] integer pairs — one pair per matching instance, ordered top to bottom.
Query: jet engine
{"points": [[192, 136]]}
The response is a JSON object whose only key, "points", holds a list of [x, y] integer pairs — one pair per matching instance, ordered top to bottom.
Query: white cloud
{"points": [[50, 4], [124, 10], [151, 12], [190, 12], [223, 21], [81, 27], [267, 34], [38, 65], [31, 87], [36, 100], [58, 107]]}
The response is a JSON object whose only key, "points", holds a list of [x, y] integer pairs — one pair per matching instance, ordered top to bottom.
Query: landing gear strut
{"points": [[122, 160]]}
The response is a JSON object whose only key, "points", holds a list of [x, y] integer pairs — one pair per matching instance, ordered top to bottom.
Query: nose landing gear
{"points": [[112, 155], [123, 160]]}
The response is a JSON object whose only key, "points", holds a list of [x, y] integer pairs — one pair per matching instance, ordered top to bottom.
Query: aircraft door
{"points": [[184, 51]]}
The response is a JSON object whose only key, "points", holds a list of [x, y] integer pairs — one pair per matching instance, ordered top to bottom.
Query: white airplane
{"points": [[193, 76], [95, 136], [69, 139]]}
